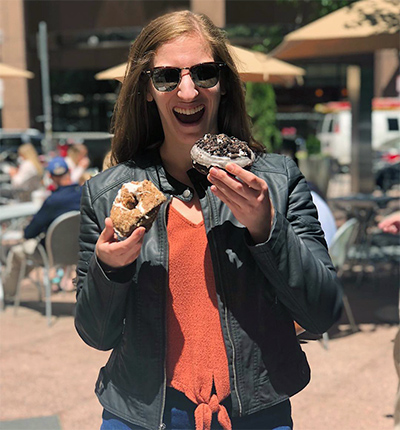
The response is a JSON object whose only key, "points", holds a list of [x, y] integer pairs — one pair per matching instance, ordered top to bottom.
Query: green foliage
{"points": [[328, 6], [318, 10], [264, 37], [267, 37], [260, 98], [261, 106], [313, 144]]}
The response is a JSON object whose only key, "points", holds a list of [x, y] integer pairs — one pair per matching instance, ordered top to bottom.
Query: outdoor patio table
{"points": [[365, 208], [18, 210]]}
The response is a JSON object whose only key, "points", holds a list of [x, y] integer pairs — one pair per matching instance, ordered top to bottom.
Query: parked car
{"points": [[334, 130]]}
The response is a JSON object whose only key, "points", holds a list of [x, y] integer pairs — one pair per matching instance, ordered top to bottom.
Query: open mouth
{"points": [[189, 116]]}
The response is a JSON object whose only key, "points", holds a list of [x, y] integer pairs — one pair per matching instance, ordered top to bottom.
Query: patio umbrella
{"points": [[361, 27], [256, 66], [253, 67], [7, 71], [116, 72]]}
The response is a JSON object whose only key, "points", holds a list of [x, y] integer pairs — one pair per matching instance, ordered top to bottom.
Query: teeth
{"points": [[191, 111]]}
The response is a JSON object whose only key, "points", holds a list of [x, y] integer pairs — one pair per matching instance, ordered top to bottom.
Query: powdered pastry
{"points": [[219, 150], [136, 205]]}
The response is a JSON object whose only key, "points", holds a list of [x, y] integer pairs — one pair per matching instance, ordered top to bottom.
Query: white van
{"points": [[334, 131]]}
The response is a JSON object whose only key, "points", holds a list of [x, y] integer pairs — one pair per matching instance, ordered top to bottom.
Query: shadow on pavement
{"points": [[373, 294], [62, 304], [58, 309]]}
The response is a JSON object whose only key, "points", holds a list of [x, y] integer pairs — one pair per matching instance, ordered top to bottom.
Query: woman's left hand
{"points": [[247, 196]]}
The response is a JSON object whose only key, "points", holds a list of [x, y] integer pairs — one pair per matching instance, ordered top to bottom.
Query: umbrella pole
{"points": [[44, 67], [360, 88]]}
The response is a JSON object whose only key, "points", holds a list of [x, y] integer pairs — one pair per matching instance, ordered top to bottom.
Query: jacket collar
{"points": [[152, 162]]}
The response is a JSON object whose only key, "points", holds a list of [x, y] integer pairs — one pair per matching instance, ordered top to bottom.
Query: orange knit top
{"points": [[196, 355]]}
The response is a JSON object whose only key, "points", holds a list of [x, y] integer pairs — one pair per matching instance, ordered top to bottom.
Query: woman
{"points": [[28, 175], [198, 312]]}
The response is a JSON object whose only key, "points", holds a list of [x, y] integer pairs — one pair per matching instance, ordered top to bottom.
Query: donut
{"points": [[219, 150], [136, 205]]}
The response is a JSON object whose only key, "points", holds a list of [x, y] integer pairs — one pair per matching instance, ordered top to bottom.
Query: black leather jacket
{"points": [[261, 289]]}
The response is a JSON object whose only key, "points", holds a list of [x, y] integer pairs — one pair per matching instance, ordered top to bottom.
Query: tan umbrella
{"points": [[361, 27], [256, 66], [253, 67], [7, 71], [116, 72]]}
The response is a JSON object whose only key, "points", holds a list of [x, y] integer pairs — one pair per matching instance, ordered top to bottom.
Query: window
{"points": [[393, 124], [330, 126]]}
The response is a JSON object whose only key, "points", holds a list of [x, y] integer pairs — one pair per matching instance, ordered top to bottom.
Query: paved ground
{"points": [[48, 373]]}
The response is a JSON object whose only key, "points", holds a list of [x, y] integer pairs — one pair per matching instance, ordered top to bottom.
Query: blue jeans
{"points": [[179, 415], [117, 424]]}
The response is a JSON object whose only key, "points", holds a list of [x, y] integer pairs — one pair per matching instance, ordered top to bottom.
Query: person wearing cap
{"points": [[66, 197]]}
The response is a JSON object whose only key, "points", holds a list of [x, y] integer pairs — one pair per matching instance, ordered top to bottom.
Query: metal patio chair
{"points": [[343, 239], [61, 249], [339, 250]]}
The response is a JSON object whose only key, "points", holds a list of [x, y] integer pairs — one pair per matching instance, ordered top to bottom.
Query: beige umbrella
{"points": [[361, 27], [253, 67], [7, 71], [116, 72]]}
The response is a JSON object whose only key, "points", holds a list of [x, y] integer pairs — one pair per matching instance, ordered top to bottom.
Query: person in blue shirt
{"points": [[65, 198], [325, 215]]}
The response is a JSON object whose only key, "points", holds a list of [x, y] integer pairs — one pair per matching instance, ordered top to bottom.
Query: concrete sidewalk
{"points": [[47, 374]]}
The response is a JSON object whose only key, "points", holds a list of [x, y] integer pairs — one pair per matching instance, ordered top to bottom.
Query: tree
{"points": [[267, 37], [260, 98], [261, 106]]}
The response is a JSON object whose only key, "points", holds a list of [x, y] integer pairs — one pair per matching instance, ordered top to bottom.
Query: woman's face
{"points": [[187, 112]]}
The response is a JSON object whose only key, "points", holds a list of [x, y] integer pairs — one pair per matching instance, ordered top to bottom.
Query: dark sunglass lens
{"points": [[205, 75], [165, 79]]}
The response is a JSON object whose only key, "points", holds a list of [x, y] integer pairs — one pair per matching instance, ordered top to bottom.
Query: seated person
{"points": [[77, 160], [107, 161], [27, 177], [65, 198], [325, 215], [391, 223]]}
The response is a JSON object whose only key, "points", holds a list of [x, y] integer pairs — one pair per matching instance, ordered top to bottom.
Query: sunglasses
{"points": [[166, 79]]}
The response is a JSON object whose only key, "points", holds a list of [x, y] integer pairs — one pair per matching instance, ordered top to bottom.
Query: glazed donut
{"points": [[219, 150], [136, 205]]}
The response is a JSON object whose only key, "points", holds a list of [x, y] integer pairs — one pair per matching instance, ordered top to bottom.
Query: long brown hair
{"points": [[136, 122]]}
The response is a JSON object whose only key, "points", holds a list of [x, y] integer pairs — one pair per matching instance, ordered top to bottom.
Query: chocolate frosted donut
{"points": [[219, 150], [136, 205]]}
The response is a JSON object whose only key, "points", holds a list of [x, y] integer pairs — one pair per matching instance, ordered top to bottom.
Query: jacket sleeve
{"points": [[40, 222], [296, 262], [101, 301]]}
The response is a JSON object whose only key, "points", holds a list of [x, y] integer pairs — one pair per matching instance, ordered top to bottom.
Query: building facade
{"points": [[85, 37]]}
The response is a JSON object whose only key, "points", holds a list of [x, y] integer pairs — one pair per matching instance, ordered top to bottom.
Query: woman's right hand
{"points": [[116, 253]]}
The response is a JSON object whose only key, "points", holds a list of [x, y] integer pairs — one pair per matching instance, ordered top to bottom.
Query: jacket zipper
{"points": [[228, 330], [233, 359], [162, 426]]}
